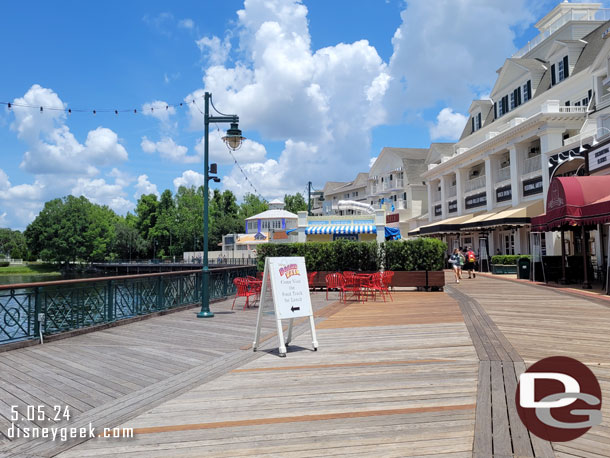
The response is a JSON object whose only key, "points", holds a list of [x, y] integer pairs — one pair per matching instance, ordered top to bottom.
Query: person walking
{"points": [[471, 259], [455, 262]]}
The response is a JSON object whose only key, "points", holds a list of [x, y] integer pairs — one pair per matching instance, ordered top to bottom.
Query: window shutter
{"points": [[565, 67], [553, 80], [529, 89], [589, 93], [519, 96], [505, 108], [495, 110], [472, 122], [480, 124]]}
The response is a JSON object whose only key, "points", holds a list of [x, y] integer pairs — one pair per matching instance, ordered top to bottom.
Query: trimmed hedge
{"points": [[342, 255], [508, 259], [4, 263]]}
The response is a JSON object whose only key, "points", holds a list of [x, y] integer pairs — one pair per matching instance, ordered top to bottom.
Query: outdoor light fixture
{"points": [[233, 139]]}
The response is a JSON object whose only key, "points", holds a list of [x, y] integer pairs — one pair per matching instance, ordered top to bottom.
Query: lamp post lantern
{"points": [[233, 139]]}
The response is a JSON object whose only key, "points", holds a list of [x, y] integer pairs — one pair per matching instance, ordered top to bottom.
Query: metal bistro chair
{"points": [[310, 278], [334, 282], [386, 282], [376, 284], [255, 285], [243, 290]]}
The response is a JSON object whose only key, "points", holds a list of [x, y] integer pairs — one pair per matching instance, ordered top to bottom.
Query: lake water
{"points": [[10, 279]]}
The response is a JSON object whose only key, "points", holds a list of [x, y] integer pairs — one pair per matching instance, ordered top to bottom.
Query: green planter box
{"points": [[503, 268]]}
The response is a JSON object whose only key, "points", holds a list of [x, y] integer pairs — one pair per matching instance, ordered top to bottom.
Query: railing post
{"points": [[181, 289], [160, 293], [110, 301], [37, 311]]}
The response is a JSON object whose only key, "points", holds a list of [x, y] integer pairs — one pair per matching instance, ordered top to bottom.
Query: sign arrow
{"points": [[295, 308]]}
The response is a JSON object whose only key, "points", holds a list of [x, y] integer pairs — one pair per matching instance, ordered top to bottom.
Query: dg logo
{"points": [[559, 399]]}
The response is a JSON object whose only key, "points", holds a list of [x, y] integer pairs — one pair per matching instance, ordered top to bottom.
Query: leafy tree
{"points": [[295, 204], [146, 211], [223, 217], [189, 219], [164, 228], [72, 229], [128, 243], [13, 244]]}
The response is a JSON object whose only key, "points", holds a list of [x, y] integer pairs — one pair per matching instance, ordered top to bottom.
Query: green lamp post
{"points": [[233, 139]]}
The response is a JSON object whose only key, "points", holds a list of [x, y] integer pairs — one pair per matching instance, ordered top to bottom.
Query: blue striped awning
{"points": [[342, 229]]}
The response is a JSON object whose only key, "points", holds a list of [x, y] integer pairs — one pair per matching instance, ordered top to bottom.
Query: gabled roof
{"points": [[560, 44], [592, 53], [513, 68], [482, 104], [487, 117], [439, 150], [407, 153], [359, 182], [330, 186], [273, 214]]}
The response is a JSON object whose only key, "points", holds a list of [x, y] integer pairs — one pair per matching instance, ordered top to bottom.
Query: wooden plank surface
{"points": [[373, 387]]}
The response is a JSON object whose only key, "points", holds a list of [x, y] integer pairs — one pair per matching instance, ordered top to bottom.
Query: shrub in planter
{"points": [[418, 254], [508, 259], [4, 263]]}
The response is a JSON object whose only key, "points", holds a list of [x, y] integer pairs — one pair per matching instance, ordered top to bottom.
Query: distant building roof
{"points": [[274, 214]]}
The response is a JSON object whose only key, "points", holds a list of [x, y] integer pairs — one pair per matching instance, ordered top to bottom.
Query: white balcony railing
{"points": [[589, 14], [532, 164], [503, 174], [475, 183], [451, 191]]}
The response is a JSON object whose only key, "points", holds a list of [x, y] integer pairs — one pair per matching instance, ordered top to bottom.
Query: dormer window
{"points": [[559, 71], [527, 91], [476, 122]]}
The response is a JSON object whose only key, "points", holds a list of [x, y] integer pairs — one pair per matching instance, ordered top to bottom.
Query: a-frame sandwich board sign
{"points": [[287, 277]]}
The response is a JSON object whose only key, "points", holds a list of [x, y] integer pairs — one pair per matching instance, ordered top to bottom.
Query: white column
{"points": [[549, 141], [516, 165], [460, 174], [489, 184], [429, 185], [444, 195], [302, 225], [380, 225], [518, 241]]}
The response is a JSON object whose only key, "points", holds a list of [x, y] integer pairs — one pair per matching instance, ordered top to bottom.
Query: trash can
{"points": [[524, 268]]}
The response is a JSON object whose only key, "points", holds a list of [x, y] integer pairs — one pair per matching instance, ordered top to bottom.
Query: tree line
{"points": [[73, 229]]}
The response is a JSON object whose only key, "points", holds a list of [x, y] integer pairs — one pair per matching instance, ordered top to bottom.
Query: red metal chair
{"points": [[310, 278], [386, 281], [334, 282], [375, 284], [255, 285], [243, 290]]}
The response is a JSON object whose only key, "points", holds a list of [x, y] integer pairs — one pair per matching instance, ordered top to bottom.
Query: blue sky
{"points": [[320, 87]]}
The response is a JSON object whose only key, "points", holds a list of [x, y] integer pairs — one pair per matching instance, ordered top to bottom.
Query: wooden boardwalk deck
{"points": [[540, 322], [430, 374], [372, 389]]}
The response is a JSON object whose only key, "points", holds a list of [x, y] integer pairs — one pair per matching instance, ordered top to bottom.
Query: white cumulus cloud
{"points": [[322, 104], [159, 109], [449, 125], [52, 148], [169, 149], [189, 178], [144, 186]]}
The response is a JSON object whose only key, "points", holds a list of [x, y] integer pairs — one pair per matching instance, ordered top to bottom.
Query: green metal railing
{"points": [[60, 306]]}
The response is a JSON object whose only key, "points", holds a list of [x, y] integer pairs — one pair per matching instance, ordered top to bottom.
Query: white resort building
{"points": [[540, 113]]}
